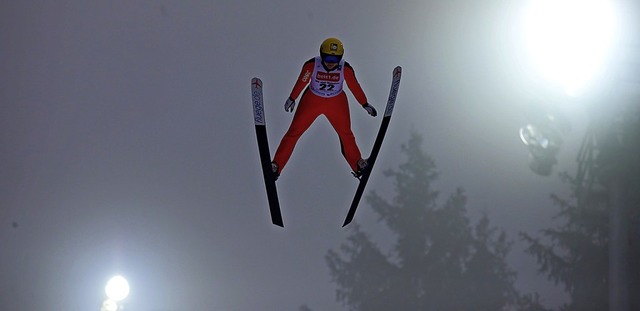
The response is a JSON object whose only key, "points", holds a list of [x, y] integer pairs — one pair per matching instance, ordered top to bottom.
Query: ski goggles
{"points": [[331, 59]]}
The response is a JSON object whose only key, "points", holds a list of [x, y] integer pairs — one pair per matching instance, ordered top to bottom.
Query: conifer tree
{"points": [[575, 253], [440, 260]]}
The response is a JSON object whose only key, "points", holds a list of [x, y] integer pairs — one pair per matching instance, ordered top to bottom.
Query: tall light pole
{"points": [[568, 40], [609, 157], [620, 169]]}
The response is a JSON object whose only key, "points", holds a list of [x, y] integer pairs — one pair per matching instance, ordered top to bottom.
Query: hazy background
{"points": [[127, 143]]}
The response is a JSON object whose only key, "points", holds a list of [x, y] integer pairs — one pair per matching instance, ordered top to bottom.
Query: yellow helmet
{"points": [[332, 46]]}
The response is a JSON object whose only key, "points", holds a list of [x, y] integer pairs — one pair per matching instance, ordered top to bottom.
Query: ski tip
{"points": [[397, 71], [256, 82]]}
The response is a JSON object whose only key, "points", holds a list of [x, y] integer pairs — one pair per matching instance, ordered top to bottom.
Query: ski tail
{"points": [[391, 101], [265, 154]]}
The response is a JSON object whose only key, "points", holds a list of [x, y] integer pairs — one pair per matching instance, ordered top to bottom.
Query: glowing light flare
{"points": [[569, 40], [117, 288], [109, 305]]}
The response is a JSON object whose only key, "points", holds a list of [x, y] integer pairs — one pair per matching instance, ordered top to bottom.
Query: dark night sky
{"points": [[127, 143]]}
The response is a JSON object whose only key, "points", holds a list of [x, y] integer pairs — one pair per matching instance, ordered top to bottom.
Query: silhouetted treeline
{"points": [[439, 260]]}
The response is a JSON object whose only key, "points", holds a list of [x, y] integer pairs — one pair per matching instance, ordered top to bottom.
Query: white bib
{"points": [[326, 83]]}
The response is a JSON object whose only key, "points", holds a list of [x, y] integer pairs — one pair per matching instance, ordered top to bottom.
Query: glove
{"points": [[289, 104], [372, 111]]}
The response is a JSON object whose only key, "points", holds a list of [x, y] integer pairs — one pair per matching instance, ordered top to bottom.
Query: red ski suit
{"points": [[318, 99]]}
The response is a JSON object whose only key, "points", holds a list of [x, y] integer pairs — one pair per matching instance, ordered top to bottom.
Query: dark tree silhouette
{"points": [[575, 253], [439, 261]]}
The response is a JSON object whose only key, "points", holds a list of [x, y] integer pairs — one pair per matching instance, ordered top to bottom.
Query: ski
{"points": [[395, 84], [265, 154]]}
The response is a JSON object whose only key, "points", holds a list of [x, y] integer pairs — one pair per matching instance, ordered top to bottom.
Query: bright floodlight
{"points": [[569, 39], [117, 288]]}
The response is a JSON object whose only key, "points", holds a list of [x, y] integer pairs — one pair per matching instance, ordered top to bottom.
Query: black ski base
{"points": [[395, 84], [265, 154], [367, 172], [269, 178]]}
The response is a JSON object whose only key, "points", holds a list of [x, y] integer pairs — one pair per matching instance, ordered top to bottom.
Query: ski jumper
{"points": [[324, 95]]}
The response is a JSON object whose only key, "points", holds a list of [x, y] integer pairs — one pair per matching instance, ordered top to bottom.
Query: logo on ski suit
{"points": [[305, 78], [324, 83]]}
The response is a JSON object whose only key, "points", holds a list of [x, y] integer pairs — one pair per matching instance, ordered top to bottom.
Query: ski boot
{"points": [[362, 166], [274, 168]]}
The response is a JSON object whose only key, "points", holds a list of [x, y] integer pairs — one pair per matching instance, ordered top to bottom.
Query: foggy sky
{"points": [[127, 144]]}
